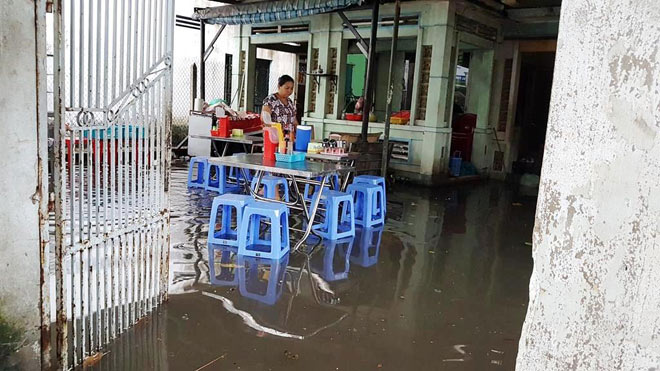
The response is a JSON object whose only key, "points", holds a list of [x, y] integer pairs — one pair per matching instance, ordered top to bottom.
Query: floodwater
{"points": [[443, 286]]}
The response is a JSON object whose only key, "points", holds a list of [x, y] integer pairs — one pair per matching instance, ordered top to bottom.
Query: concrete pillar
{"points": [[439, 33], [480, 88], [23, 184], [594, 297]]}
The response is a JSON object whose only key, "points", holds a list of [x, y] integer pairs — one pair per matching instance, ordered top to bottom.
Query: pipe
{"points": [[202, 63], [371, 69], [390, 90]]}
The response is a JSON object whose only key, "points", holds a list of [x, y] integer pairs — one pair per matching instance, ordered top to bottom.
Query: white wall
{"points": [[282, 64], [21, 106], [594, 296]]}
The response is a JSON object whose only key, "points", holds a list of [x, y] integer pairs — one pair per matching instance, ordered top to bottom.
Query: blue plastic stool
{"points": [[237, 175], [375, 180], [198, 181], [220, 183], [334, 183], [271, 186], [368, 200], [227, 203], [336, 225], [275, 242], [336, 253], [365, 254], [253, 273], [227, 275]]}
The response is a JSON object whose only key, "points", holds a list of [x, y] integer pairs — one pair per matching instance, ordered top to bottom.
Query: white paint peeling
{"points": [[594, 298]]}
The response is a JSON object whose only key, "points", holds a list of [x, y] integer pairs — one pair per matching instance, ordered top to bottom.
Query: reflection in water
{"points": [[368, 246], [336, 259], [223, 272], [261, 279], [443, 284]]}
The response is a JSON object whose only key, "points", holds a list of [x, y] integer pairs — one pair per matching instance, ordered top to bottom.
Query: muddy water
{"points": [[442, 286]]}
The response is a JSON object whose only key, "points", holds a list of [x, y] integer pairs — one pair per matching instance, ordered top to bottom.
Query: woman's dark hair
{"points": [[284, 79]]}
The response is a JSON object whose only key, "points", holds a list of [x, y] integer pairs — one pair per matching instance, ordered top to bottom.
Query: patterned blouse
{"points": [[280, 112]]}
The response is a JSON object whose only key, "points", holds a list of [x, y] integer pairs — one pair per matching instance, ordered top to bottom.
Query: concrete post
{"points": [[479, 99], [23, 184], [594, 298]]}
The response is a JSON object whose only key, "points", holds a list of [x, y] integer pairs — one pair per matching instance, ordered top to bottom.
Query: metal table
{"points": [[247, 139], [296, 172]]}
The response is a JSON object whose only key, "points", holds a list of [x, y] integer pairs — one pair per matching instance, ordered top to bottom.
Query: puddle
{"points": [[442, 286]]}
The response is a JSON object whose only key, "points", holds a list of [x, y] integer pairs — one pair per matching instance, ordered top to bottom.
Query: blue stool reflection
{"points": [[367, 248], [337, 254], [227, 272], [262, 279]]}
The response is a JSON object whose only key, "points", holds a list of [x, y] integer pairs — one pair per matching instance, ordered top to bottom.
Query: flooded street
{"points": [[443, 286]]}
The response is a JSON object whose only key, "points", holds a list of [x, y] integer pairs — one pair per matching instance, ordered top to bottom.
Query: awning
{"points": [[269, 11]]}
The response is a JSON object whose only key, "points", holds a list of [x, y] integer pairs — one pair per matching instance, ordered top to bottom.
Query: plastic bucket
{"points": [[303, 136], [270, 143], [455, 164]]}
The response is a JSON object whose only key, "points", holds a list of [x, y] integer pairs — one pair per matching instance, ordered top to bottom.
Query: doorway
{"points": [[262, 78], [533, 106]]}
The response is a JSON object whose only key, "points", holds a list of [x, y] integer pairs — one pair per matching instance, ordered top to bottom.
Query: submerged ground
{"points": [[442, 286]]}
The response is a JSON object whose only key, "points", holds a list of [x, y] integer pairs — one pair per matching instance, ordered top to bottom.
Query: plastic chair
{"points": [[196, 179], [375, 180], [271, 186], [368, 200], [230, 205], [336, 224], [274, 243], [367, 246], [227, 275], [262, 279]]}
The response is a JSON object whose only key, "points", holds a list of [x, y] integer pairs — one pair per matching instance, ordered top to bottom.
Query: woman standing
{"points": [[278, 107]]}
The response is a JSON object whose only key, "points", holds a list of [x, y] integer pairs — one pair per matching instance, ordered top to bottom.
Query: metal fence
{"points": [[182, 84], [112, 93]]}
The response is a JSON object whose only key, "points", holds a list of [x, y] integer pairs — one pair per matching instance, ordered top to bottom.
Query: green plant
{"points": [[179, 132], [10, 339]]}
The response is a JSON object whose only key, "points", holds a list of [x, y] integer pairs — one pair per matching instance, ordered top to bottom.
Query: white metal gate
{"points": [[112, 83]]}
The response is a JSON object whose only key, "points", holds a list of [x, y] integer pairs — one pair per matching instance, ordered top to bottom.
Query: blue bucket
{"points": [[455, 164]]}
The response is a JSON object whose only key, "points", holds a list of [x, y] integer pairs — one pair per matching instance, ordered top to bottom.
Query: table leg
{"points": [[224, 150], [347, 177], [316, 199]]}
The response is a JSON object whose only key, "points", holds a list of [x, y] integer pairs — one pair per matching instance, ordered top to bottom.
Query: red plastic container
{"points": [[354, 117], [226, 124], [224, 127], [271, 141]]}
